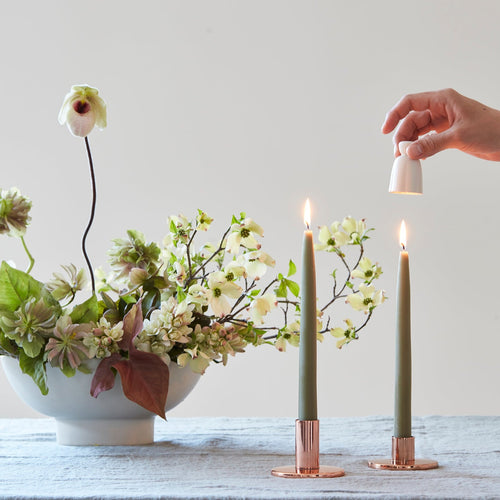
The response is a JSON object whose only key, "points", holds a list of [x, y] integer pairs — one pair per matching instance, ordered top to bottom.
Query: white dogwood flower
{"points": [[354, 228], [243, 234], [331, 237], [366, 270], [218, 289], [366, 299], [262, 306]]}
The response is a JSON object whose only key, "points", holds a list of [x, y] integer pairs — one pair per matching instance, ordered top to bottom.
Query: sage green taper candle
{"points": [[308, 406], [402, 406]]}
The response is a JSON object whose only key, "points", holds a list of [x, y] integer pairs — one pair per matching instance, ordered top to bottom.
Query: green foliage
{"points": [[285, 284], [16, 287], [293, 287], [281, 291], [151, 300], [86, 312], [33, 345], [8, 346], [35, 368], [67, 370]]}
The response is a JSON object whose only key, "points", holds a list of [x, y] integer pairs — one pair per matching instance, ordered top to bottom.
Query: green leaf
{"points": [[234, 220], [136, 237], [292, 268], [160, 282], [16, 287], [293, 287], [281, 291], [181, 294], [128, 299], [108, 301], [150, 301], [86, 312], [113, 315], [259, 332], [8, 345], [33, 345], [35, 368], [85, 369], [67, 370]]}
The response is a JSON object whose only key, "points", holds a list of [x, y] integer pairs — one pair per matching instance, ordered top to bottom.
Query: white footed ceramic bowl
{"points": [[109, 419]]}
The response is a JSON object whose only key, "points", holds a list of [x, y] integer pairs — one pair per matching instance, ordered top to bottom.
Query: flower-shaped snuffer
{"points": [[83, 109]]}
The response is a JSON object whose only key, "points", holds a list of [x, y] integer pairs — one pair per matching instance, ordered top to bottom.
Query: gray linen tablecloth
{"points": [[225, 458]]}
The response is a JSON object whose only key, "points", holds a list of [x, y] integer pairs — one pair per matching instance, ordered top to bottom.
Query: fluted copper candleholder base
{"points": [[307, 455], [403, 457]]}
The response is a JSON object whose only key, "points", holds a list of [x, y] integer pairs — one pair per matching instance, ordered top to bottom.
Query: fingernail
{"points": [[417, 150]]}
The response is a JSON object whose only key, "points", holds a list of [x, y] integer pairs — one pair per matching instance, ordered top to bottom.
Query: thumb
{"points": [[429, 145]]}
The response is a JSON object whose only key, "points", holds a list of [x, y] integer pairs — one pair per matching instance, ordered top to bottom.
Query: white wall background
{"points": [[254, 105]]}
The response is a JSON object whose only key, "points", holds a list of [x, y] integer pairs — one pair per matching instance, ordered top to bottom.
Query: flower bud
{"points": [[83, 109]]}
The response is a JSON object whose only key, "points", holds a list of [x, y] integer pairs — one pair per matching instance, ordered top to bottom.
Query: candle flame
{"points": [[307, 214], [402, 234]]}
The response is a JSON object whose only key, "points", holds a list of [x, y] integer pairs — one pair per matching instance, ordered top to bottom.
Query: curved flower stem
{"points": [[92, 213], [30, 257]]}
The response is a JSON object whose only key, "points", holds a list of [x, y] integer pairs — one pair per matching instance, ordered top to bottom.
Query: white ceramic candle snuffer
{"points": [[406, 174]]}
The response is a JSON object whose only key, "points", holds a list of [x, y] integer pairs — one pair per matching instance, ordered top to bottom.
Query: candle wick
{"points": [[307, 226], [403, 246]]}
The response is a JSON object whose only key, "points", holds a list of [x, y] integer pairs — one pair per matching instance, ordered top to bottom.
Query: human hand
{"points": [[460, 123]]}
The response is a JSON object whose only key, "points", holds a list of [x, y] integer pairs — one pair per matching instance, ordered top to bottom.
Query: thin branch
{"points": [[92, 214], [188, 250], [202, 266], [349, 271], [269, 286], [240, 298], [287, 301], [365, 323]]}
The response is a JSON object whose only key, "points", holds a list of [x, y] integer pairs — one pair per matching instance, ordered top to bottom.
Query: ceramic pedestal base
{"points": [[105, 432]]}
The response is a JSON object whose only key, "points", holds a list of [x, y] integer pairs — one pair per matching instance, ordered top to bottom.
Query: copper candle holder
{"points": [[307, 455], [403, 457]]}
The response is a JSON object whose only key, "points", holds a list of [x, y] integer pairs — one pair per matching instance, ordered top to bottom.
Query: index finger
{"points": [[408, 103]]}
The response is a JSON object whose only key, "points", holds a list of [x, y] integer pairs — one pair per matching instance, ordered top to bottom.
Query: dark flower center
{"points": [[81, 107], [245, 233], [331, 242], [369, 273], [217, 292], [367, 301]]}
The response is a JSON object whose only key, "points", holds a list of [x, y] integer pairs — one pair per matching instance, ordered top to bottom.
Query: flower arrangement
{"points": [[175, 301]]}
